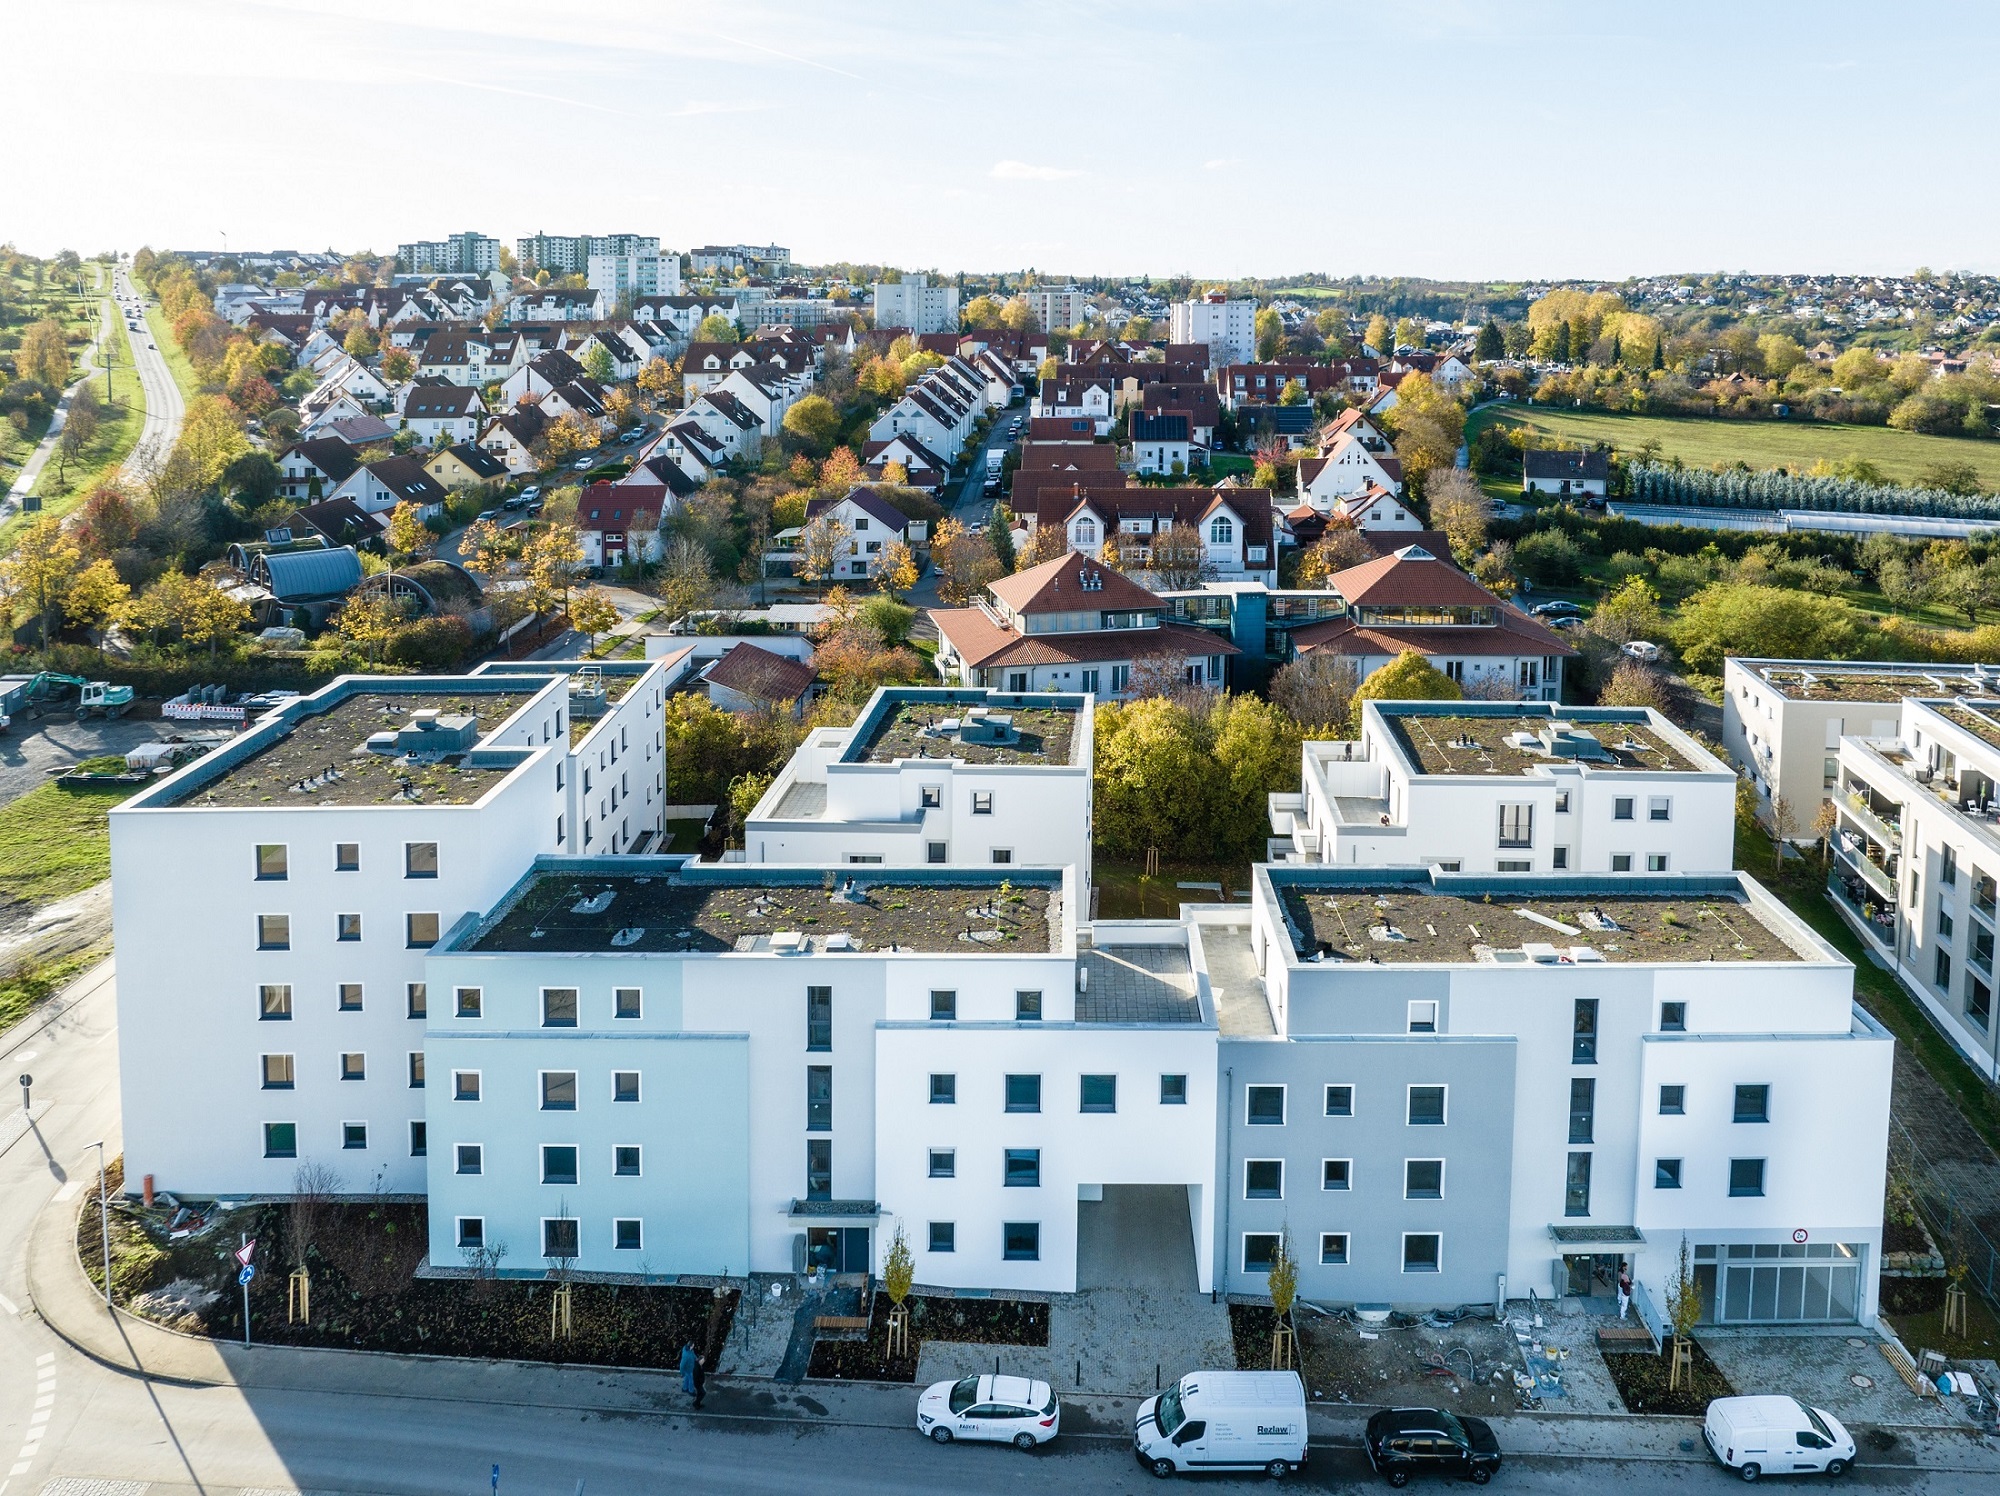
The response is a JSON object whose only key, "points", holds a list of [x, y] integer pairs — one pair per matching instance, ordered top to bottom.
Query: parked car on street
{"points": [[583, 464], [532, 492], [1556, 610], [1003, 1410], [1224, 1420], [1758, 1436], [1402, 1442]]}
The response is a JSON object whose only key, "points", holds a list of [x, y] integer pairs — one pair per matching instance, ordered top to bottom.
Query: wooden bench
{"points": [[835, 1323]]}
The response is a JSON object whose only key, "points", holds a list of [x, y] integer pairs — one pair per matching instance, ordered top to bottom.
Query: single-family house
{"points": [[550, 369], [1075, 395], [582, 397], [1196, 401], [441, 414], [512, 435], [1161, 443], [466, 465], [1347, 467], [311, 469], [1565, 473], [382, 485], [341, 521], [620, 522], [872, 524], [749, 679]]}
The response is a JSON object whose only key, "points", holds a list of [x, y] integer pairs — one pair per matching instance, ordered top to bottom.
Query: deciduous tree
{"points": [[716, 328], [44, 353], [598, 363], [659, 379], [815, 422], [1459, 508], [408, 535], [821, 545], [1341, 547], [1179, 559], [895, 569], [40, 570], [95, 594], [592, 613], [1727, 618], [1408, 677], [1317, 690]]}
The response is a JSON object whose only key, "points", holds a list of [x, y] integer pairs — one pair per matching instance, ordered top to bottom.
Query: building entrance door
{"points": [[838, 1249], [1592, 1275]]}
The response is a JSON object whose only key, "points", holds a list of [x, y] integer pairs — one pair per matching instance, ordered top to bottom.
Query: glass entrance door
{"points": [[838, 1249]]}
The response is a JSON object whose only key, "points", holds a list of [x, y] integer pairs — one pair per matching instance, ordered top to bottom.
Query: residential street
{"points": [[164, 405]]}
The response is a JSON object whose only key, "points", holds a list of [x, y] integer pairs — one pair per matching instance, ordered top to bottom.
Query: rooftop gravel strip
{"points": [[1835, 685], [1984, 726], [1044, 735], [333, 740], [1478, 745], [613, 912], [1397, 925]]}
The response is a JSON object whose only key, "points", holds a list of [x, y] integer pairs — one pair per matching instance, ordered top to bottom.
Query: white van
{"points": [[1224, 1420], [1776, 1436]]}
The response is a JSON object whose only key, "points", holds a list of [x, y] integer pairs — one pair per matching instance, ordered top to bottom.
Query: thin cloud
{"points": [[1218, 163], [1021, 171]]}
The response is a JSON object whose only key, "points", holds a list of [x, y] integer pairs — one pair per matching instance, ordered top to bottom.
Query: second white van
{"points": [[1224, 1420], [1757, 1436]]}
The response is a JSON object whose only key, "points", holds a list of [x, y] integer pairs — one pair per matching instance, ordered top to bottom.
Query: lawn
{"points": [[177, 361], [117, 433], [1762, 444], [1221, 464], [55, 842], [1125, 892], [27, 990]]}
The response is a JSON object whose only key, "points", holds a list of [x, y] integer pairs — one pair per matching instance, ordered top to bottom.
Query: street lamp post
{"points": [[104, 1221]]}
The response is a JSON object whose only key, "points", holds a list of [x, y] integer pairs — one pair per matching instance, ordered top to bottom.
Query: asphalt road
{"points": [[164, 405], [967, 502]]}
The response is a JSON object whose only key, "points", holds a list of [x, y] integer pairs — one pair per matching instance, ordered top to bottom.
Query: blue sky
{"points": [[1417, 137]]}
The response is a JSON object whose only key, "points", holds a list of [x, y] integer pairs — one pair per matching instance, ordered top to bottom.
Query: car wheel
{"points": [[941, 1434], [1025, 1443], [1163, 1468], [1836, 1468], [1277, 1470], [1750, 1472], [1481, 1475], [1399, 1478]]}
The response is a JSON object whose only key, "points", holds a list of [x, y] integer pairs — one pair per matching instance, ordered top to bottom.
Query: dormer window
{"points": [[1086, 531], [1221, 531]]}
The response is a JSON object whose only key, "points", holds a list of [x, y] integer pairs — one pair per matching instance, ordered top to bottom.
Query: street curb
{"points": [[55, 1007]]}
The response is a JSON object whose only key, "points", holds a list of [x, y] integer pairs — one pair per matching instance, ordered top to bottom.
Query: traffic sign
{"points": [[243, 1253], [246, 1275]]}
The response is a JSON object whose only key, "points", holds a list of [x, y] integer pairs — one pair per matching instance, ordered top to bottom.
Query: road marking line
{"points": [[24, 1058], [69, 1191], [8, 1304], [45, 1358]]}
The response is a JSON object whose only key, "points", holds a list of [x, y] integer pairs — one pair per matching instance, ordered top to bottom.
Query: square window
{"points": [[933, 796], [982, 802], [1562, 802], [1659, 808], [1621, 809], [937, 852], [1003, 854], [347, 857], [1559, 858], [420, 859], [272, 862], [1621, 862], [1656, 862], [347, 927], [420, 931], [274, 932], [350, 997], [417, 999], [274, 1001], [468, 1002], [625, 1002], [944, 1006], [559, 1007], [1027, 1007], [1423, 1018], [1673, 1018], [1583, 1032], [354, 1067], [416, 1070], [277, 1072], [465, 1085], [624, 1085], [558, 1090], [944, 1090], [1173, 1090], [1024, 1093], [1100, 1093], [1340, 1101], [1673, 1101], [1753, 1104], [1264, 1106], [1426, 1106], [354, 1135], [420, 1139], [281, 1140], [471, 1158], [625, 1160], [558, 1163], [944, 1163], [1023, 1168], [1336, 1173], [1666, 1173], [1746, 1176], [1263, 1179], [1423, 1179], [471, 1234], [625, 1235], [944, 1236], [560, 1238], [1333, 1248], [1260, 1250], [1423, 1252]]}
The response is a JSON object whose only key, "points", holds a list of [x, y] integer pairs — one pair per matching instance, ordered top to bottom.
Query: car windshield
{"points": [[964, 1393], [1049, 1407], [1168, 1414], [1819, 1425], [1454, 1429]]}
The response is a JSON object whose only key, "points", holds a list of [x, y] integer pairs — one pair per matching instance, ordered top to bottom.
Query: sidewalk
{"points": [[31, 470], [75, 1311]]}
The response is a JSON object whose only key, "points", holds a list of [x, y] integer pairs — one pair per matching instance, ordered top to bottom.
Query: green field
{"points": [[117, 433], [1762, 444], [55, 842]]}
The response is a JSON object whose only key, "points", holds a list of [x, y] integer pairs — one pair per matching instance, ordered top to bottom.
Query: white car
{"points": [[1642, 649], [1005, 1410], [1757, 1436]]}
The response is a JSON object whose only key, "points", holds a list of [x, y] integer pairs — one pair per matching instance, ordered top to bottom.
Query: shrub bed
{"points": [[964, 1321], [1642, 1382]]}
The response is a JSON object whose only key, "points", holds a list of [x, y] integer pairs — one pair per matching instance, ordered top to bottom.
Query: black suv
{"points": [[1402, 1442]]}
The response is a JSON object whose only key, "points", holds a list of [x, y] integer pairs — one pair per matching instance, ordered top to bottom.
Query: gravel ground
{"points": [[31, 749]]}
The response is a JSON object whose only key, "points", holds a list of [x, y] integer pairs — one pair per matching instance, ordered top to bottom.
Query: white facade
{"points": [[634, 274], [915, 303], [1058, 306], [1228, 327], [1371, 803]]}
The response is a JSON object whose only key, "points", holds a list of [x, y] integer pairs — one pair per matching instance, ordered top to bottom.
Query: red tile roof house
{"points": [[620, 522], [872, 524], [1235, 524], [1411, 599], [1071, 624], [751, 679]]}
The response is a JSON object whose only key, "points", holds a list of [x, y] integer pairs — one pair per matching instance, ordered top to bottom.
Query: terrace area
{"points": [[967, 731], [1515, 744], [325, 758], [808, 913], [1410, 923]]}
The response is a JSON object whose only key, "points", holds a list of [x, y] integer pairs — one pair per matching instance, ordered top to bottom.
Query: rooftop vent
{"points": [[430, 733], [1567, 740], [596, 903], [630, 935], [787, 942]]}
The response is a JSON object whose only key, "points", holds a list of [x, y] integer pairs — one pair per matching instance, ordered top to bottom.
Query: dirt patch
{"points": [[365, 1297], [963, 1321], [1467, 1367], [1642, 1382]]}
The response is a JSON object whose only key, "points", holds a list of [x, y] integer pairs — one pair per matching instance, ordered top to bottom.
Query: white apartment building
{"points": [[469, 253], [571, 254], [633, 273], [915, 303], [1058, 306], [1228, 327], [1782, 720], [931, 776], [1510, 787], [1916, 853], [273, 904], [1457, 1088]]}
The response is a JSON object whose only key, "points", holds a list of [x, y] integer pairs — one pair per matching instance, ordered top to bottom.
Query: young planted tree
{"points": [[821, 545], [592, 613], [1826, 820], [314, 1187], [899, 1272], [1284, 1284], [1683, 1314]]}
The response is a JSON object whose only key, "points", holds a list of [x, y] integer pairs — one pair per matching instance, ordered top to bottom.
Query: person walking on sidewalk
{"points": [[1624, 1292], [689, 1364], [700, 1383]]}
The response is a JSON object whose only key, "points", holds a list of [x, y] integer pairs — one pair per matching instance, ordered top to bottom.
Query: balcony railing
{"points": [[1887, 833], [1875, 877], [1879, 921]]}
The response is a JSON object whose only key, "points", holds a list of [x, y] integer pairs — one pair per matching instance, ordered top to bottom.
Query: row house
{"points": [[547, 305], [677, 317], [625, 345], [470, 359], [548, 370], [1262, 383], [1075, 397], [1195, 401], [940, 409], [511, 437], [922, 467], [311, 469]]}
